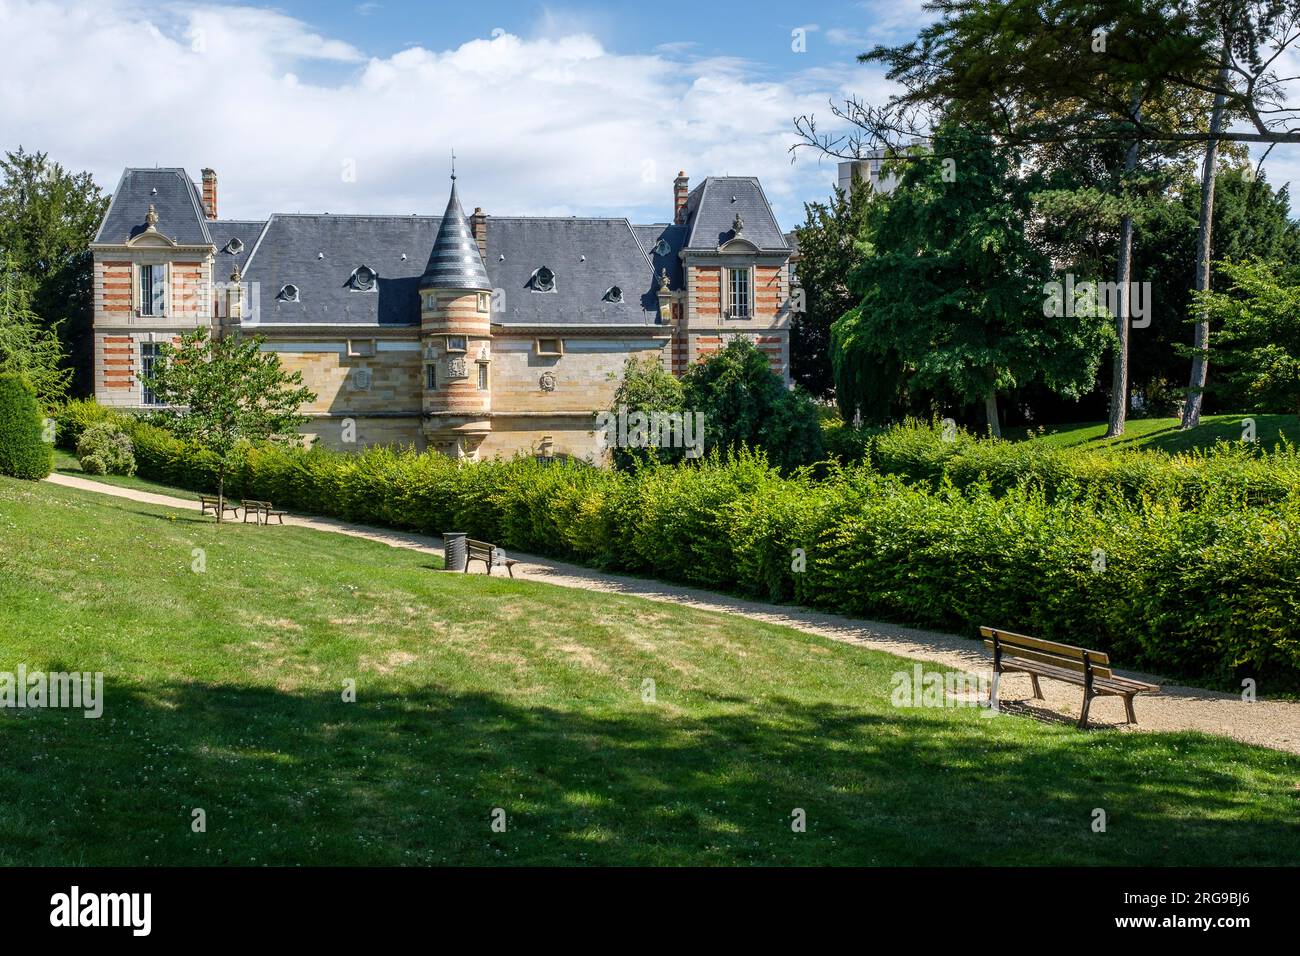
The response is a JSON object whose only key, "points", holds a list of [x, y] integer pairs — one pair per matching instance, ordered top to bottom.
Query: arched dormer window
{"points": [[235, 246], [363, 279], [542, 280], [288, 293], [613, 294]]}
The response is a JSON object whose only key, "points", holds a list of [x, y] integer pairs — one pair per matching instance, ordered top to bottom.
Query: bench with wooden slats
{"points": [[213, 503], [262, 511], [489, 554], [1064, 662]]}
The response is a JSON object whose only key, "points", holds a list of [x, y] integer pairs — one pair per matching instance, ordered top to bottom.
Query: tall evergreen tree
{"points": [[954, 298]]}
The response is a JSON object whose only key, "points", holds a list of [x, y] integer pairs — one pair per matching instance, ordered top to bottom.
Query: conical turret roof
{"points": [[455, 262]]}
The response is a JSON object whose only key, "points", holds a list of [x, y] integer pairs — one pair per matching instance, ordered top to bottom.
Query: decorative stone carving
{"points": [[456, 367], [361, 379], [547, 382]]}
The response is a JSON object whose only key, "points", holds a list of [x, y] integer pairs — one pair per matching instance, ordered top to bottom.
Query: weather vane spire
{"points": [[453, 162]]}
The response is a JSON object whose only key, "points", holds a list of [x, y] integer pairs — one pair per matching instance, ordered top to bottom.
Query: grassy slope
{"points": [[1163, 434], [65, 463], [223, 692]]}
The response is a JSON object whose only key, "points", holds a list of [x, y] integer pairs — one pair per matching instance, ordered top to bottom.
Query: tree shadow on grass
{"points": [[413, 776]]}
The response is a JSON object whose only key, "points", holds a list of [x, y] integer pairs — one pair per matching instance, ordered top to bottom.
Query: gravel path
{"points": [[1268, 723]]}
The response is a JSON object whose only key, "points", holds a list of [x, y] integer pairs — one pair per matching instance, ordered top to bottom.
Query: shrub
{"points": [[76, 415], [105, 449], [24, 453], [927, 455]]}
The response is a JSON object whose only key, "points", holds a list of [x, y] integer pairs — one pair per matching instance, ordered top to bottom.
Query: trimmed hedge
{"points": [[24, 453], [920, 454], [1208, 590]]}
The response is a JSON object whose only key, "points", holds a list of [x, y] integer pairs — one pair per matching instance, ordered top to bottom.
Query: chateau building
{"points": [[476, 335]]}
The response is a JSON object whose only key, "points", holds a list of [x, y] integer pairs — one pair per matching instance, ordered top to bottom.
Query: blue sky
{"points": [[354, 107]]}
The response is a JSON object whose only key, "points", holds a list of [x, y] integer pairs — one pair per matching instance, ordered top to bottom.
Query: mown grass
{"points": [[1163, 434], [224, 692]]}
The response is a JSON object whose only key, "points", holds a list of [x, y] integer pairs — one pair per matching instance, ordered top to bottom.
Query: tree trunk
{"points": [[1204, 232], [1123, 276], [991, 413], [221, 501]]}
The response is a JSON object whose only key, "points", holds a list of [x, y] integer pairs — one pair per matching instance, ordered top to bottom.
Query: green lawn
{"points": [[1163, 434], [223, 692]]}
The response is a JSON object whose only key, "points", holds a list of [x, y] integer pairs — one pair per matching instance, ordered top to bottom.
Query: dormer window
{"points": [[235, 246], [661, 247], [362, 279], [543, 280], [287, 293], [613, 294]]}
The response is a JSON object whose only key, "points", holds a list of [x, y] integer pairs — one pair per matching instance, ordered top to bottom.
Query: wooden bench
{"points": [[211, 503], [262, 511], [487, 553], [1064, 662]]}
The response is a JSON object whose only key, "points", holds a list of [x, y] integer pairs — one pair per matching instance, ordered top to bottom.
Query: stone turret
{"points": [[456, 338]]}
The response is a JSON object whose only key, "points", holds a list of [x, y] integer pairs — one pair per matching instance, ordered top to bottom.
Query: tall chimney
{"points": [[680, 192], [209, 194], [478, 224]]}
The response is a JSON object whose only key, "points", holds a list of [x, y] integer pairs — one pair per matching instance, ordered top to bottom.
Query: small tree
{"points": [[1259, 342], [27, 346], [646, 387], [222, 393], [745, 403]]}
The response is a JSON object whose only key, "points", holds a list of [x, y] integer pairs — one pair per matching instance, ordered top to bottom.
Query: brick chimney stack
{"points": [[680, 192], [210, 193], [478, 223]]}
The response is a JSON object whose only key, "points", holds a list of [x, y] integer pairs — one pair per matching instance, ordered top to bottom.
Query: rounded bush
{"points": [[105, 449], [24, 453]]}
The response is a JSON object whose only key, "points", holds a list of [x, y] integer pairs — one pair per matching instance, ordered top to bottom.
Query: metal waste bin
{"points": [[454, 550]]}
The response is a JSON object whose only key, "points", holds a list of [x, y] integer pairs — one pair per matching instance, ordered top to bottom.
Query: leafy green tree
{"points": [[48, 218], [831, 243], [954, 298], [1258, 315], [28, 346], [646, 387], [224, 393], [745, 403]]}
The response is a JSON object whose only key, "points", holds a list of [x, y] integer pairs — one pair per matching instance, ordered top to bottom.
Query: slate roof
{"points": [[173, 195], [712, 207], [224, 230], [675, 237], [319, 253], [588, 257], [455, 262]]}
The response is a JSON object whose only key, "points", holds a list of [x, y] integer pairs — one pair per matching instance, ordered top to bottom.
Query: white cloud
{"points": [[556, 123]]}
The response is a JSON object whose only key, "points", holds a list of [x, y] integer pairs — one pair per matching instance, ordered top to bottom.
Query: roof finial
{"points": [[453, 162], [151, 219]]}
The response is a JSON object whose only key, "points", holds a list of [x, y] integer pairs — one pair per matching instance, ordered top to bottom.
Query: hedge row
{"points": [[923, 454], [1208, 590]]}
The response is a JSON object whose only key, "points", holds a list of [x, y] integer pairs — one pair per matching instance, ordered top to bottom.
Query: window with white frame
{"points": [[153, 289], [739, 293], [484, 302], [456, 343], [150, 353], [431, 376], [482, 376]]}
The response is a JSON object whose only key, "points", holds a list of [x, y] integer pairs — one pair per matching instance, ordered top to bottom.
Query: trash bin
{"points": [[454, 550]]}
